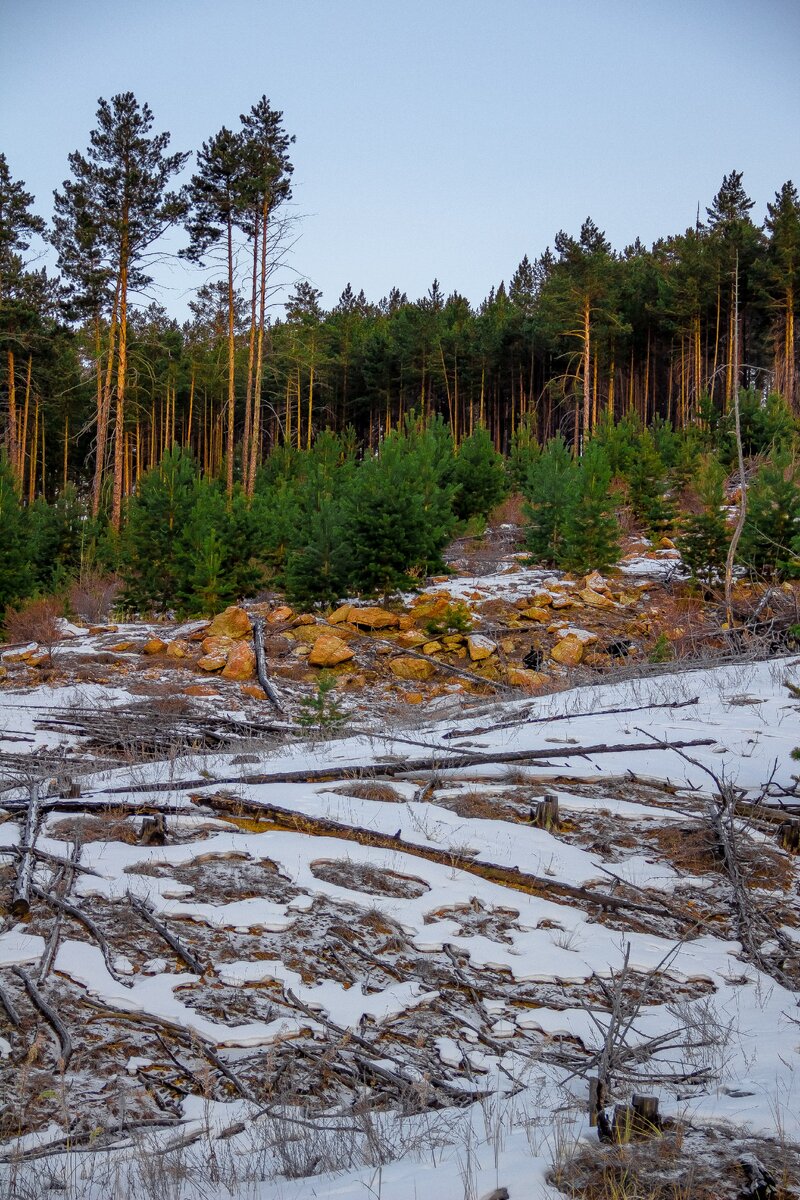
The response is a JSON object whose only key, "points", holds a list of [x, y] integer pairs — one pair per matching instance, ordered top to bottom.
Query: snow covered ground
{"points": [[399, 938]]}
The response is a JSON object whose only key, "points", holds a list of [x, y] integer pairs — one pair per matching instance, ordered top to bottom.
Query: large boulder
{"points": [[595, 599], [536, 612], [373, 618], [233, 623], [480, 647], [329, 651], [568, 651], [212, 662], [241, 662], [407, 667], [531, 681]]}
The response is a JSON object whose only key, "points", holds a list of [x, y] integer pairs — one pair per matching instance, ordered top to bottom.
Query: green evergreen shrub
{"points": [[547, 488], [591, 531], [704, 539]]}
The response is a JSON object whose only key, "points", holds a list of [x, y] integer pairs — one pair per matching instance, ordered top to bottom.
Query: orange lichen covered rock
{"points": [[373, 618], [233, 623], [154, 645], [480, 647], [178, 648], [329, 650], [568, 652], [212, 662], [241, 662], [406, 667], [531, 681]]}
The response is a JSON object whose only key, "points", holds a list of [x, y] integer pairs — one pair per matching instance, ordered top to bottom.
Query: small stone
{"points": [[564, 602], [304, 619], [233, 623], [453, 641], [154, 645], [122, 647], [480, 647], [432, 648], [329, 650], [241, 662], [412, 697]]}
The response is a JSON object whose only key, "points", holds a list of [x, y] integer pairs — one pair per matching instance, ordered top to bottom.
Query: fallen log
{"points": [[272, 693], [478, 731], [406, 766], [289, 820], [21, 896], [71, 910], [185, 955], [49, 1014]]}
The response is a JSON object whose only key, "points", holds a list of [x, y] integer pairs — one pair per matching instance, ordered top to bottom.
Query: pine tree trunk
{"points": [[251, 353], [231, 364], [122, 369], [587, 378], [104, 408], [255, 436], [23, 449], [13, 452]]}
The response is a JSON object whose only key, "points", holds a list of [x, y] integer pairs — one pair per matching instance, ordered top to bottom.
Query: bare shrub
{"points": [[92, 597], [37, 621]]}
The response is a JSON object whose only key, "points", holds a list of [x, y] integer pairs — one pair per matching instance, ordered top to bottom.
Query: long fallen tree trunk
{"points": [[261, 665], [382, 770], [274, 816], [21, 896]]}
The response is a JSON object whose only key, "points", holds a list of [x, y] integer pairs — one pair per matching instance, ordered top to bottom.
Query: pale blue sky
{"points": [[442, 138]]}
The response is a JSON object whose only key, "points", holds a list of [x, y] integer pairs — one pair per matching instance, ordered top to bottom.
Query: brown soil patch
{"points": [[363, 877]]}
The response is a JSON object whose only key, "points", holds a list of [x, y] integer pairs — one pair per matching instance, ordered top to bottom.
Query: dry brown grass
{"points": [[371, 791], [110, 827], [363, 877], [680, 1164]]}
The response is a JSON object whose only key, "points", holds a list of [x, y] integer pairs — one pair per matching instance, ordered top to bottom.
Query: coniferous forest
{"points": [[332, 450]]}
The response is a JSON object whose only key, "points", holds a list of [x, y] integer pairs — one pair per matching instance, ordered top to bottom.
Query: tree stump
{"points": [[545, 815], [153, 831], [789, 836], [639, 1119]]}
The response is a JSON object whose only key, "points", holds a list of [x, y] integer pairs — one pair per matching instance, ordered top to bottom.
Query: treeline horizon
{"points": [[94, 392]]}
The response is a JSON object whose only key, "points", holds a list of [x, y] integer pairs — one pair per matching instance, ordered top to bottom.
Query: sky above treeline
{"points": [[442, 138]]}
